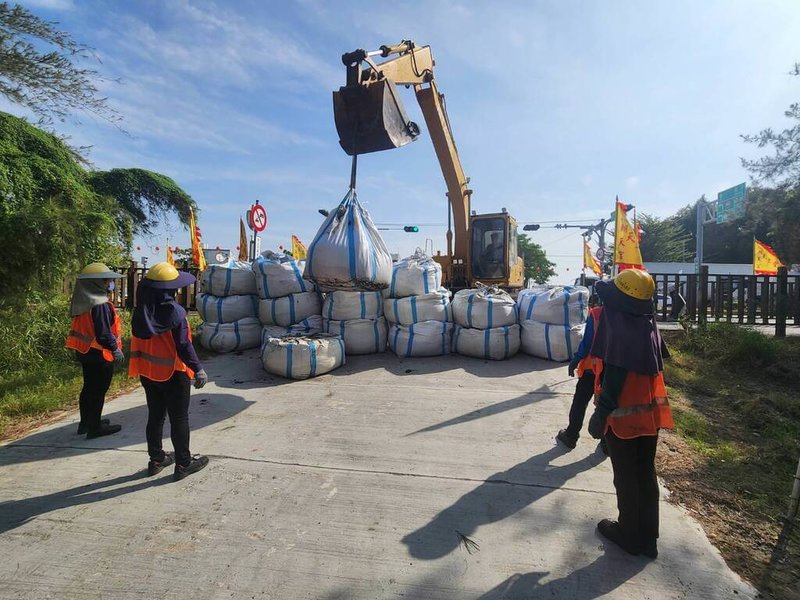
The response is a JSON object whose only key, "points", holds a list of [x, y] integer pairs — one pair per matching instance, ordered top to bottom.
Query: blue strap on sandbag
{"points": [[298, 276], [228, 281], [533, 298], [363, 301], [414, 308], [291, 309], [469, 309], [219, 311], [489, 315], [236, 332], [377, 335], [444, 337], [505, 337], [547, 340], [312, 346], [486, 347], [289, 348], [410, 348]]}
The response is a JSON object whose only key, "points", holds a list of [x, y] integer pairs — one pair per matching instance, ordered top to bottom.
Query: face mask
{"points": [[110, 286]]}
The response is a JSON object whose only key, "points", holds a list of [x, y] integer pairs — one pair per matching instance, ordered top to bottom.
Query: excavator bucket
{"points": [[370, 118]]}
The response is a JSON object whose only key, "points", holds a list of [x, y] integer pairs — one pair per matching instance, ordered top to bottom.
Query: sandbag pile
{"points": [[228, 305], [418, 308], [357, 317], [552, 321], [486, 324], [301, 357]]}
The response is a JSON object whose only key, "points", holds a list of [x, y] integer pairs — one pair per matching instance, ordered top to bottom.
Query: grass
{"points": [[734, 452]]}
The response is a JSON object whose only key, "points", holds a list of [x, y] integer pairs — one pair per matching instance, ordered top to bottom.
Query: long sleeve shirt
{"points": [[102, 319], [586, 343], [184, 347], [613, 381]]}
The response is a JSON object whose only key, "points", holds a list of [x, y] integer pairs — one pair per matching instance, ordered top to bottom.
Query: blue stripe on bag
{"points": [[351, 243], [373, 261], [298, 276], [228, 279], [394, 281], [425, 281], [264, 282], [363, 301], [254, 302], [330, 305], [530, 306], [566, 307], [414, 308], [205, 309], [291, 309], [469, 309], [219, 311], [272, 311], [396, 314], [489, 316], [236, 331], [213, 335], [377, 335], [444, 337], [455, 337], [505, 338], [394, 339], [547, 340], [410, 341], [569, 341], [313, 348], [289, 349], [486, 349], [341, 351]]}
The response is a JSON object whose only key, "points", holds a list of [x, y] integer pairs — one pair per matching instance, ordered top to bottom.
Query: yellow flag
{"points": [[626, 242], [298, 249], [243, 253], [198, 257], [170, 258], [589, 261], [765, 261]]}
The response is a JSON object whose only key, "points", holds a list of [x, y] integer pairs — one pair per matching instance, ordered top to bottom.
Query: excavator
{"points": [[370, 117]]}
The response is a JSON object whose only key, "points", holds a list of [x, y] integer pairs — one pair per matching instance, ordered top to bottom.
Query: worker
{"points": [[492, 256], [95, 337], [163, 357], [588, 368], [631, 406]]}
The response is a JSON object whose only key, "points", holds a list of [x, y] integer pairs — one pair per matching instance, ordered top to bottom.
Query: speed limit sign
{"points": [[258, 217]]}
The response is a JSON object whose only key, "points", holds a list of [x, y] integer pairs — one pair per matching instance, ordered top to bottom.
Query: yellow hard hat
{"points": [[98, 270], [165, 276], [636, 284]]}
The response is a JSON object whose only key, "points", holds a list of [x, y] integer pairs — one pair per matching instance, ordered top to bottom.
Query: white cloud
{"points": [[49, 4]]}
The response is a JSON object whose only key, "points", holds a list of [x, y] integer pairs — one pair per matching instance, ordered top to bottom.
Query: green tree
{"points": [[40, 68], [663, 240], [537, 267]]}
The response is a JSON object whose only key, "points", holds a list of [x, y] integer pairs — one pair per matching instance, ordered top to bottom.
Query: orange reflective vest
{"points": [[82, 338], [156, 358], [589, 362], [642, 407]]}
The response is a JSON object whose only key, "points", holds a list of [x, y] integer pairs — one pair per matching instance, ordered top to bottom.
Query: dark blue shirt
{"points": [[102, 319], [586, 343], [184, 347]]}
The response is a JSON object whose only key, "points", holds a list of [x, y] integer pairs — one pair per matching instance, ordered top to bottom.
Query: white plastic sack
{"points": [[348, 253], [279, 275], [415, 275], [235, 278], [568, 305], [345, 306], [484, 308], [226, 309], [416, 309], [289, 310], [309, 326], [361, 336], [228, 337], [428, 338], [553, 342], [499, 343], [302, 357]]}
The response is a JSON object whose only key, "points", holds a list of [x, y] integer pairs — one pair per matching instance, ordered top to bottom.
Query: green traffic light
{"points": [[411, 229]]}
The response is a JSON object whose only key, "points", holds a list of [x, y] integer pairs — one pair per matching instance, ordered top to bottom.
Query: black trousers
{"points": [[96, 381], [584, 391], [171, 398], [634, 467]]}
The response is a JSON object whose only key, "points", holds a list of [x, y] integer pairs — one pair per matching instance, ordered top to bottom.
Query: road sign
{"points": [[730, 203], [259, 217], [249, 219], [600, 254]]}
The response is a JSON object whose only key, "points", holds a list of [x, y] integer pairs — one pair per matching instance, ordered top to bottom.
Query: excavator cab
{"points": [[494, 255]]}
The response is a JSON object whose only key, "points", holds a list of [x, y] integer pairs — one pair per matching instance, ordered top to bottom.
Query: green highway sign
{"points": [[730, 203]]}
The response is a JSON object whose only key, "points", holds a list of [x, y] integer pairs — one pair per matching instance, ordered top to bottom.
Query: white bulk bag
{"points": [[348, 253], [279, 275], [415, 275], [235, 278], [568, 305], [344, 306], [484, 308], [226, 309], [290, 309], [415, 309], [309, 326], [361, 336], [228, 337], [427, 338], [553, 342], [499, 343], [302, 357]]}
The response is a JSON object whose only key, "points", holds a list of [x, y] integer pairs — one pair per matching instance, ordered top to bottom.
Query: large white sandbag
{"points": [[348, 253], [279, 275], [415, 275], [235, 278], [566, 305], [345, 306], [484, 308], [226, 309], [290, 309], [416, 309], [309, 326], [361, 336], [228, 337], [427, 338], [553, 342], [499, 343], [304, 356]]}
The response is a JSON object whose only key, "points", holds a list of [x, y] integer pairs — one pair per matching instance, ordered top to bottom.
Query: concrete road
{"points": [[420, 478]]}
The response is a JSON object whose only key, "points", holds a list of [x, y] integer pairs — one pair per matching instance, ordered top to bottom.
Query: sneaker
{"points": [[83, 429], [104, 430], [563, 437], [197, 463], [155, 467], [610, 530]]}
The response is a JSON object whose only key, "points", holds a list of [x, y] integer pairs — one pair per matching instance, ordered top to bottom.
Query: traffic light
{"points": [[531, 227], [411, 229]]}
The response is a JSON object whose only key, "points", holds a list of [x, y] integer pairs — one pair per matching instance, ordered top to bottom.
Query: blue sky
{"points": [[556, 107]]}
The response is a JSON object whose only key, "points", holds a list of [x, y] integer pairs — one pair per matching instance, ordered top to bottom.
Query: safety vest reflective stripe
{"points": [[86, 338], [151, 358], [156, 358], [639, 408]]}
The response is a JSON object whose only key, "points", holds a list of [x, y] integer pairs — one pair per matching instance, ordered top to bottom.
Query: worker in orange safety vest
{"points": [[95, 337], [631, 407]]}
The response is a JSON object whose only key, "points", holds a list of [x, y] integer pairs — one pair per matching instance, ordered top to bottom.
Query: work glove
{"points": [[119, 357], [573, 364], [200, 379], [596, 425]]}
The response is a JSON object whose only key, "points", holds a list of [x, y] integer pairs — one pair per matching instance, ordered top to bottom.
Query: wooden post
{"points": [[751, 299], [740, 300], [765, 300], [781, 303], [702, 305]]}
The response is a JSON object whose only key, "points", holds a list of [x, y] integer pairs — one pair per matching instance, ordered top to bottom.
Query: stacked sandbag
{"points": [[228, 305], [418, 308], [357, 317], [552, 321], [486, 324], [301, 357]]}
